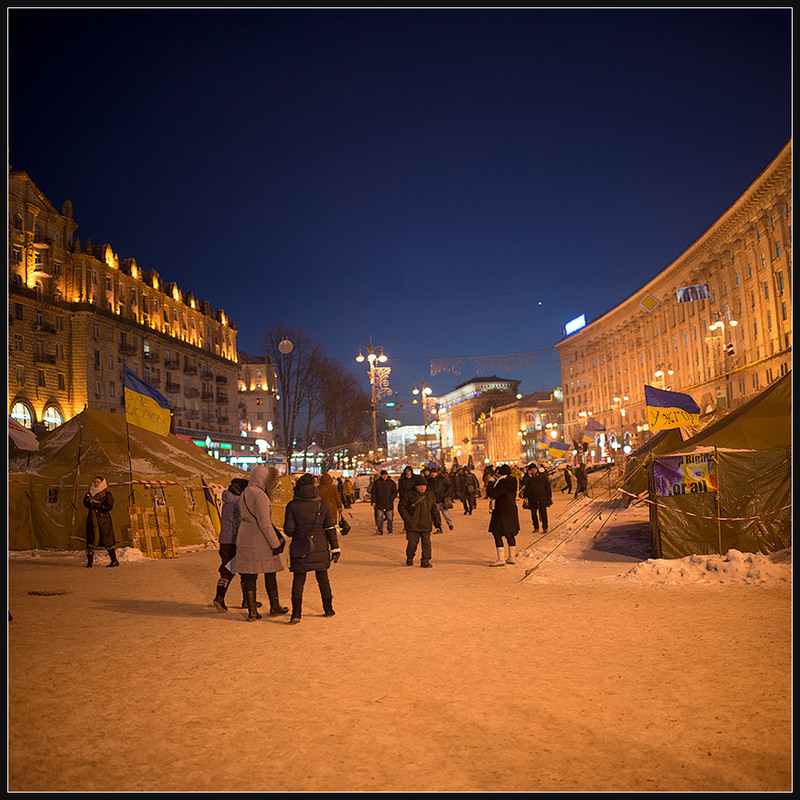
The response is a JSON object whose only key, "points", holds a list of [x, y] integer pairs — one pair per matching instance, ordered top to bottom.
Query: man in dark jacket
{"points": [[405, 483], [439, 486], [535, 487], [382, 495], [420, 513]]}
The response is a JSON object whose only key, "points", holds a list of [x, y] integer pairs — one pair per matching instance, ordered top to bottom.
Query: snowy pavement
{"points": [[586, 666]]}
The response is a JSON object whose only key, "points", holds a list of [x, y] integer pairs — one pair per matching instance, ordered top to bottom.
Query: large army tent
{"points": [[144, 471], [731, 486]]}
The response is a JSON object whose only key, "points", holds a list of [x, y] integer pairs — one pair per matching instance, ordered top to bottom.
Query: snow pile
{"points": [[733, 567]]}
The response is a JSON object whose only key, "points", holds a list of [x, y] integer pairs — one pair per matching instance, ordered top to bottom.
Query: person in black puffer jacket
{"points": [[420, 513], [309, 520]]}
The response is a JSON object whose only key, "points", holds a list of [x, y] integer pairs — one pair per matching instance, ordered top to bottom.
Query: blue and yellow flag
{"points": [[144, 405], [666, 410], [593, 427], [543, 447], [558, 449], [213, 508]]}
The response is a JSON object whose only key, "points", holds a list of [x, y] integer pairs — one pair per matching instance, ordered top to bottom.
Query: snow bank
{"points": [[733, 567]]}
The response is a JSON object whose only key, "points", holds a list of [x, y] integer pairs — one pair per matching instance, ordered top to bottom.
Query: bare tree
{"points": [[294, 368]]}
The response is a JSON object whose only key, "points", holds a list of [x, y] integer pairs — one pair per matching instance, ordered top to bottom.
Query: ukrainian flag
{"points": [[144, 405], [666, 410], [543, 447], [558, 449], [213, 508]]}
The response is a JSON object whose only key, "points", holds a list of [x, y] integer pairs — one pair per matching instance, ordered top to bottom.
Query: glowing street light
{"points": [[374, 353]]}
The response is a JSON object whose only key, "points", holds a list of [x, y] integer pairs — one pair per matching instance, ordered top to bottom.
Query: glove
{"points": [[335, 555]]}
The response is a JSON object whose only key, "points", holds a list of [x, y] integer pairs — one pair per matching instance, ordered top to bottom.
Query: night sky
{"points": [[450, 182]]}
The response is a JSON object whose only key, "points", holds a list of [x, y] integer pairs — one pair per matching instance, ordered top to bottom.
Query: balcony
{"points": [[42, 242], [45, 327], [128, 349], [151, 356], [44, 358], [187, 370], [222, 378], [172, 388], [192, 393], [221, 399], [192, 414]]}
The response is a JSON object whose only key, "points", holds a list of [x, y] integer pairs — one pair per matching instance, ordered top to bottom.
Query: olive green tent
{"points": [[143, 469], [745, 502]]}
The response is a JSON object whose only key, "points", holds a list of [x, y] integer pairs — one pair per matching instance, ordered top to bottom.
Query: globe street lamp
{"points": [[374, 354], [425, 390]]}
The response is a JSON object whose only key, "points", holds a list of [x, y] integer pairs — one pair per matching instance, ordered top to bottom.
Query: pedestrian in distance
{"points": [[567, 479], [582, 480], [405, 483], [439, 486], [536, 489], [469, 490], [329, 493], [349, 493], [382, 495], [420, 514], [504, 522], [99, 526], [229, 529], [258, 545], [314, 545]]}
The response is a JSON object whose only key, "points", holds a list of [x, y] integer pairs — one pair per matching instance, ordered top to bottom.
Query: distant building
{"points": [[77, 312], [715, 324], [257, 409]]}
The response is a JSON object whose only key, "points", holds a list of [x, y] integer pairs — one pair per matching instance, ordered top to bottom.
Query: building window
{"points": [[777, 249], [766, 290], [18, 311], [19, 342], [20, 374], [41, 379], [62, 381], [112, 389], [22, 414], [52, 418]]}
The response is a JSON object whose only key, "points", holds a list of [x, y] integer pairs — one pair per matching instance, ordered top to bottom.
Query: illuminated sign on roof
{"points": [[575, 324]]}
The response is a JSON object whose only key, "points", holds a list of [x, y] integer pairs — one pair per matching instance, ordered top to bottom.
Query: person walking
{"points": [[568, 479], [582, 480], [405, 483], [439, 486], [536, 489], [469, 490], [329, 493], [349, 493], [382, 495], [420, 513], [504, 522], [99, 526], [229, 528], [314, 545], [258, 546]]}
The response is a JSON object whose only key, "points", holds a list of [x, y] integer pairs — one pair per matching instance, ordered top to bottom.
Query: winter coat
{"points": [[466, 480], [405, 483], [440, 486], [536, 488], [349, 489], [383, 493], [330, 494], [419, 512], [308, 514], [505, 517], [99, 518], [229, 518], [257, 537]]}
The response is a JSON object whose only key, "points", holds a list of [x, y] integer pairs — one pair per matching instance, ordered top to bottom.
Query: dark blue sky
{"points": [[449, 183]]}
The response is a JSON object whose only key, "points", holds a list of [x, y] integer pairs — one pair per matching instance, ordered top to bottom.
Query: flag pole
{"points": [[127, 432], [77, 481]]}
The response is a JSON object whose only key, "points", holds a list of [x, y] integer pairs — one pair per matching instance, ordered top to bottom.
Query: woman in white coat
{"points": [[258, 546]]}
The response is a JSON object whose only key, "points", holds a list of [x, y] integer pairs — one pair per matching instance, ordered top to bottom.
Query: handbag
{"points": [[344, 526]]}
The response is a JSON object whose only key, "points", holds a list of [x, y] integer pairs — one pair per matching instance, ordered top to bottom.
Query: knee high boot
{"points": [[113, 556], [89, 557], [501, 559], [298, 582], [271, 583], [325, 593], [244, 597], [219, 600], [252, 606]]}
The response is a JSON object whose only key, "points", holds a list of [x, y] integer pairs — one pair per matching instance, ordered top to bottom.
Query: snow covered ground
{"points": [[586, 666]]}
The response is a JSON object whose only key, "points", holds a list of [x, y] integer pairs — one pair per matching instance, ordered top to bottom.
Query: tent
{"points": [[146, 472], [731, 482]]}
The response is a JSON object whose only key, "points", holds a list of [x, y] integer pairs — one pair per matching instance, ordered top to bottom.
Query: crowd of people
{"points": [[251, 545]]}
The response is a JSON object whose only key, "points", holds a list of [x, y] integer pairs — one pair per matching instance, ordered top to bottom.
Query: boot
{"points": [[511, 556], [89, 558], [501, 561], [114, 562], [244, 598], [219, 600], [252, 606], [327, 606], [275, 608], [297, 610]]}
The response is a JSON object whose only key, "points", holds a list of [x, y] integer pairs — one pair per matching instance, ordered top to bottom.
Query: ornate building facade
{"points": [[77, 313], [722, 347]]}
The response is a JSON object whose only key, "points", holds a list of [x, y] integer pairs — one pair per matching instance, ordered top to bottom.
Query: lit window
{"points": [[52, 418]]}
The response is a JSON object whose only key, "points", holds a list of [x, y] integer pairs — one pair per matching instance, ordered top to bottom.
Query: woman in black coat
{"points": [[504, 522], [309, 524], [99, 527]]}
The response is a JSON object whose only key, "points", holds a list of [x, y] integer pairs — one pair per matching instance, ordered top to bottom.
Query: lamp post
{"points": [[285, 346], [727, 350], [374, 353], [661, 376], [425, 390], [619, 400]]}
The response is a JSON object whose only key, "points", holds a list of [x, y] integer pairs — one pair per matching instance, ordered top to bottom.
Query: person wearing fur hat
{"points": [[420, 513], [504, 522], [310, 525], [99, 527], [229, 528], [258, 545]]}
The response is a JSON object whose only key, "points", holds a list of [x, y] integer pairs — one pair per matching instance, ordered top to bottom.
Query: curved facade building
{"points": [[715, 324]]}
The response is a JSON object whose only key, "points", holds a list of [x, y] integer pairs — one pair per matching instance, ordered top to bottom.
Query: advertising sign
{"points": [[689, 474]]}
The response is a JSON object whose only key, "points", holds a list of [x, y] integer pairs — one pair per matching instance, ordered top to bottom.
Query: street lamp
{"points": [[727, 350], [374, 354], [661, 375], [425, 390], [618, 402]]}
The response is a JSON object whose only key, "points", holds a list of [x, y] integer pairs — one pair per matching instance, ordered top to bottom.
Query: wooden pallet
{"points": [[154, 531]]}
